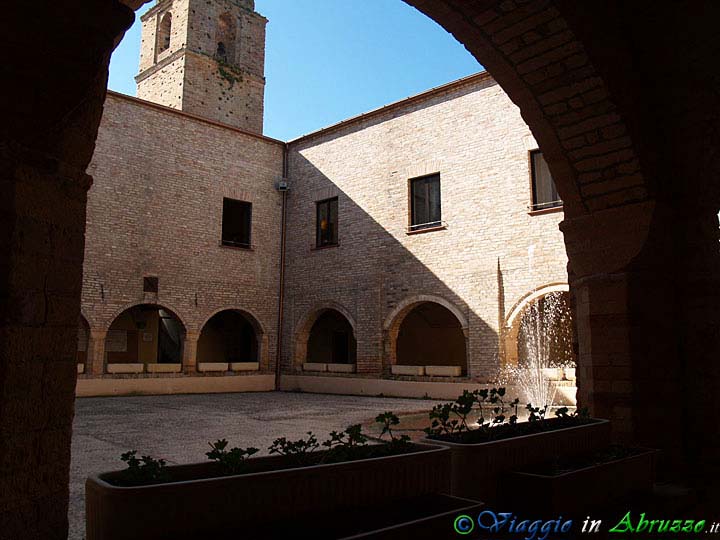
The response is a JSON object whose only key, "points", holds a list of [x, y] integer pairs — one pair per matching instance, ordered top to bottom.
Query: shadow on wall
{"points": [[370, 273]]}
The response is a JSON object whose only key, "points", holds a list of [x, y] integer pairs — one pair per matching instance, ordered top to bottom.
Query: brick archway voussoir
{"points": [[530, 50]]}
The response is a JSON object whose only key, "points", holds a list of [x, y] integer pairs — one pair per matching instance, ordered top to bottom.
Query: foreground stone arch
{"points": [[641, 203]]}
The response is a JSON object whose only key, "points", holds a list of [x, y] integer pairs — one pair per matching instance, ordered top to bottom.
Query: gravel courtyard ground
{"points": [[178, 428]]}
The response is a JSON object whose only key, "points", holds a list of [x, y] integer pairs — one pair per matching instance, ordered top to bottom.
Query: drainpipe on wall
{"points": [[283, 188]]}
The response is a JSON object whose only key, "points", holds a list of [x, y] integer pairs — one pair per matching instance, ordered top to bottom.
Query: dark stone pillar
{"points": [[55, 59], [649, 329]]}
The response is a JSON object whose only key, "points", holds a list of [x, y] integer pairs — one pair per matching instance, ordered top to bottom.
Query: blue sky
{"points": [[327, 60]]}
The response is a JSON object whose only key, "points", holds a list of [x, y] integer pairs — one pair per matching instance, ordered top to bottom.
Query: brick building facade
{"points": [[205, 58], [165, 171]]}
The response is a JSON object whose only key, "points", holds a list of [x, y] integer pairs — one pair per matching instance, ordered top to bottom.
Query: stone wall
{"points": [[191, 77], [165, 84], [219, 93], [155, 209], [491, 253]]}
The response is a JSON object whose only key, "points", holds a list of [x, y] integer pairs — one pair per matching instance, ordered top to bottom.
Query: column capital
{"points": [[606, 241]]}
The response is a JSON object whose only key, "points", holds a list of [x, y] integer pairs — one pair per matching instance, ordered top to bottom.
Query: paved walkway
{"points": [[178, 428]]}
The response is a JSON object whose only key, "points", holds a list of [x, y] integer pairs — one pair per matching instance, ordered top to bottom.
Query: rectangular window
{"points": [[544, 194], [425, 202], [236, 223], [327, 223], [150, 284]]}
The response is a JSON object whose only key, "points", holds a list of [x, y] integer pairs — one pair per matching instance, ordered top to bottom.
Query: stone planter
{"points": [[245, 366], [314, 366], [210, 367], [125, 368], [164, 368], [341, 368], [407, 370], [443, 371], [569, 373], [477, 469], [577, 491], [199, 506], [428, 517]]}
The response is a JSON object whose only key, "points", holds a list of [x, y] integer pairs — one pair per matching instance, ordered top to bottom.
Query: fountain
{"points": [[544, 349]]}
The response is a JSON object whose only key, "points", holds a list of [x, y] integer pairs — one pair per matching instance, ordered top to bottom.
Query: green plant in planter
{"points": [[495, 398], [537, 414], [452, 417], [449, 421], [396, 444], [344, 445], [347, 445], [299, 451], [231, 461], [143, 470]]}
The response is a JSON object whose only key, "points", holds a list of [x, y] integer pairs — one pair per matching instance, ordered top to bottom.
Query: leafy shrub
{"points": [[452, 420], [396, 444], [299, 451], [231, 461], [145, 470]]}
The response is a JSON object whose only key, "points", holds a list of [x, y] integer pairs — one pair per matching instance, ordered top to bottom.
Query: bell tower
{"points": [[205, 57]]}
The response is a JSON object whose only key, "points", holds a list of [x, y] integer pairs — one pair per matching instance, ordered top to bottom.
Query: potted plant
{"points": [[484, 449], [614, 472], [235, 491]]}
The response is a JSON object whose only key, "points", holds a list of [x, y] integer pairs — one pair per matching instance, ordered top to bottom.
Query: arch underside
{"points": [[630, 230]]}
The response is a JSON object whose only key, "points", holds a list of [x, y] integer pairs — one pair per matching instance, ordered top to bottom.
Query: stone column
{"points": [[50, 114], [646, 311], [697, 336], [96, 351], [190, 353], [266, 358], [605, 382]]}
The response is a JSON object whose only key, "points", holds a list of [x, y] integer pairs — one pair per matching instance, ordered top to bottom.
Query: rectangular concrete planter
{"points": [[245, 366], [314, 366], [209, 367], [125, 368], [164, 368], [341, 368], [407, 370], [443, 371], [569, 373], [477, 469], [576, 491], [199, 506], [428, 517]]}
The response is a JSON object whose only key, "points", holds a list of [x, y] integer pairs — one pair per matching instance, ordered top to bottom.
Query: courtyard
{"points": [[619, 99], [179, 427]]}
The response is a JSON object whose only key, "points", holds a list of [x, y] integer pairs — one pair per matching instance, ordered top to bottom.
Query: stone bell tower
{"points": [[205, 57]]}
